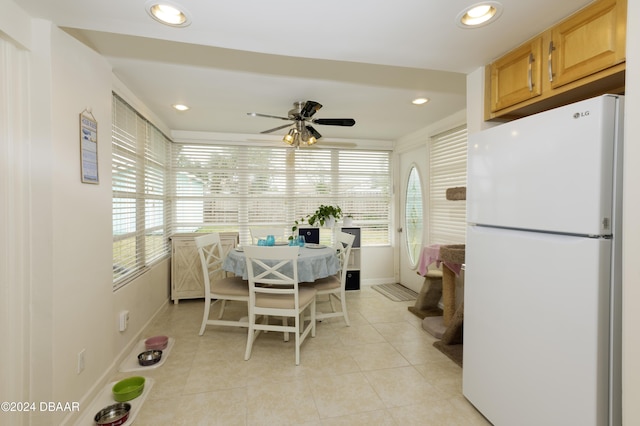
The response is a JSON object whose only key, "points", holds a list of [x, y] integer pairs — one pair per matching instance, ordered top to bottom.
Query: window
{"points": [[447, 169], [139, 172], [230, 188], [413, 215]]}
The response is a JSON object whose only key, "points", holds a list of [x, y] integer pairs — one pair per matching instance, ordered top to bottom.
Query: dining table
{"points": [[315, 261]]}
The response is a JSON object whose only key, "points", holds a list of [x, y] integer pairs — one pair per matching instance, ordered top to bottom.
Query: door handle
{"points": [[550, 60], [530, 72], [399, 229]]}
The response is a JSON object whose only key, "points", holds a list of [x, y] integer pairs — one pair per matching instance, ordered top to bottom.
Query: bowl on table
{"points": [[156, 343], [149, 357], [128, 389], [113, 415]]}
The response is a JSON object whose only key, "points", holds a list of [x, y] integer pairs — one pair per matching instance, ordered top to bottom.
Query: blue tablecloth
{"points": [[313, 264]]}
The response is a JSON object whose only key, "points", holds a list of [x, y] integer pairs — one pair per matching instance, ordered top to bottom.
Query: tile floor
{"points": [[382, 370]]}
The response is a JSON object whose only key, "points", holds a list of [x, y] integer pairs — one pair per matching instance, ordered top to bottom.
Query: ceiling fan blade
{"points": [[310, 108], [255, 114], [335, 121], [276, 128], [314, 132]]}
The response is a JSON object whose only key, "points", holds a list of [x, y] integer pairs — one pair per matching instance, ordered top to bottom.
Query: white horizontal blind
{"points": [[447, 169], [139, 173], [234, 188]]}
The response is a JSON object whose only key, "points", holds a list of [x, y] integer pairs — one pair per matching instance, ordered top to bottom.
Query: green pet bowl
{"points": [[128, 389]]}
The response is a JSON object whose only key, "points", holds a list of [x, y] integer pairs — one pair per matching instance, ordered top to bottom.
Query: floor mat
{"points": [[396, 292]]}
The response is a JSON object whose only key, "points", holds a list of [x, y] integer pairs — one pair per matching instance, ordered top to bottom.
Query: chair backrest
{"points": [[257, 233], [344, 242], [211, 257], [272, 271]]}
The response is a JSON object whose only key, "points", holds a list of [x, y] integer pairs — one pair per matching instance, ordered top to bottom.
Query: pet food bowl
{"points": [[156, 343], [149, 357], [128, 389], [113, 415]]}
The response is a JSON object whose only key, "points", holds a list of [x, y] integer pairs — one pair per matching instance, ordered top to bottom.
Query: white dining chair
{"points": [[258, 233], [217, 286], [334, 286], [274, 291]]}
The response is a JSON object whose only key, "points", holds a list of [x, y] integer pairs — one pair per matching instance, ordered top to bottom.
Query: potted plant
{"points": [[325, 215], [348, 219]]}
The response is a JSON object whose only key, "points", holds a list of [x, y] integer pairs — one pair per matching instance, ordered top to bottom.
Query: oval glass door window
{"points": [[413, 218]]}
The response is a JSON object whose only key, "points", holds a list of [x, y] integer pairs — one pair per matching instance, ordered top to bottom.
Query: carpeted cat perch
{"points": [[427, 301], [451, 342]]}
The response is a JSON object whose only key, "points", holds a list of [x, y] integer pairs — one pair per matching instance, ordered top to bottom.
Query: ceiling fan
{"points": [[303, 133]]}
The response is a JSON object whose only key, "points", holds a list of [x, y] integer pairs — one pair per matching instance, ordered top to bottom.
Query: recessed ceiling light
{"points": [[168, 13], [479, 14], [420, 101], [180, 107]]}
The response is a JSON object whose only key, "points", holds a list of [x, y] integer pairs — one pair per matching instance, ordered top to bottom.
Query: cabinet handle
{"points": [[550, 60], [529, 73]]}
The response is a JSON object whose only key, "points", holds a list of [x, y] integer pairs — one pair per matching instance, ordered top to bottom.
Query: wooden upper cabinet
{"points": [[588, 42], [580, 57], [516, 77]]}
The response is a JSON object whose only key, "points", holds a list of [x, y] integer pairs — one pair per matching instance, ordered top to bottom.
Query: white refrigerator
{"points": [[543, 267]]}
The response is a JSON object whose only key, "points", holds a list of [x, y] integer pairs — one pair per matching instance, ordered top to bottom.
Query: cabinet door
{"points": [[590, 41], [516, 77], [186, 277]]}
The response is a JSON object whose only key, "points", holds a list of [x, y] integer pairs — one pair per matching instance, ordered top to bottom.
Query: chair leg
{"points": [[343, 300], [223, 303], [333, 308], [205, 317], [313, 318], [298, 319], [285, 322], [252, 333]]}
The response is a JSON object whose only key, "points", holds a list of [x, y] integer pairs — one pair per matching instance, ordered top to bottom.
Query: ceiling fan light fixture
{"points": [[168, 13], [479, 14], [305, 136], [290, 137]]}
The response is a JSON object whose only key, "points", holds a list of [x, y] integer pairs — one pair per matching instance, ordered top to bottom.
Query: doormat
{"points": [[396, 292]]}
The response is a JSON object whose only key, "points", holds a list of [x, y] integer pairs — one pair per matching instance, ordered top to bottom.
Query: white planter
{"points": [[347, 221], [330, 222]]}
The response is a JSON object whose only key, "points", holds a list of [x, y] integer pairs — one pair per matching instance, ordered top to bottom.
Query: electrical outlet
{"points": [[124, 320], [81, 361]]}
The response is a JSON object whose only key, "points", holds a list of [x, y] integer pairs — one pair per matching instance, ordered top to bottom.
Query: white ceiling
{"points": [[361, 59]]}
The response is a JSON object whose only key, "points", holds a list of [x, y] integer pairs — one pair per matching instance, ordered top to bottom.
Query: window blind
{"points": [[140, 158], [447, 169], [232, 188]]}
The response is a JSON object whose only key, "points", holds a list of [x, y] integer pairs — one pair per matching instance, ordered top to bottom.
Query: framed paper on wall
{"points": [[88, 148]]}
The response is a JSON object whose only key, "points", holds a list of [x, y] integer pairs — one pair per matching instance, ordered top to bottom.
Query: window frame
{"points": [[447, 169], [306, 178], [140, 206]]}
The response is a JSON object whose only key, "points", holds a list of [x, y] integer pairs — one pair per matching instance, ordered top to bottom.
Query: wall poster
{"points": [[88, 147]]}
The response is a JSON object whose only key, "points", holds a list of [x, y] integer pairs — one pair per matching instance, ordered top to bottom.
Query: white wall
{"points": [[72, 304]]}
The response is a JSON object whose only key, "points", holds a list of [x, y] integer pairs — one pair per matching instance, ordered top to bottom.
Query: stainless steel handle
{"points": [[550, 60], [529, 73]]}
